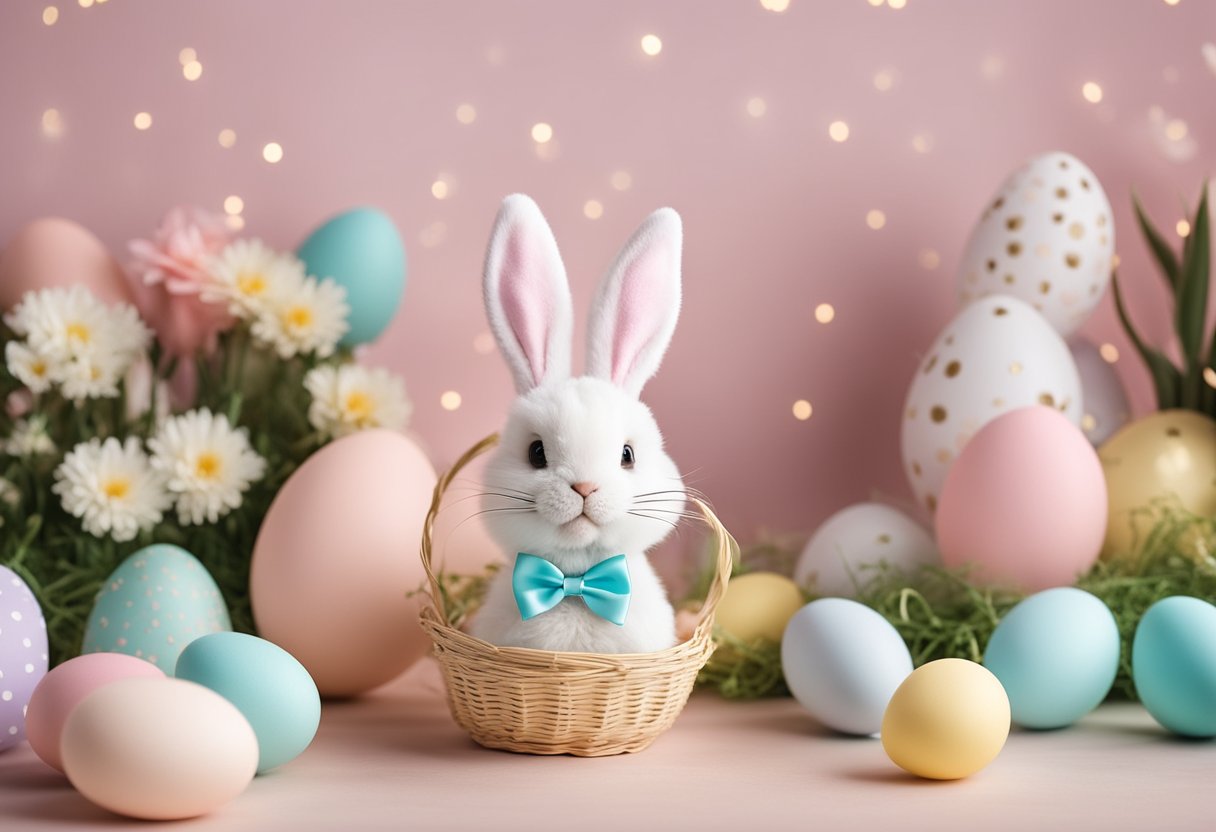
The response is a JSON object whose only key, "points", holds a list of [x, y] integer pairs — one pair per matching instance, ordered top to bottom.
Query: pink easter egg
{"points": [[52, 252], [1024, 504], [65, 687]]}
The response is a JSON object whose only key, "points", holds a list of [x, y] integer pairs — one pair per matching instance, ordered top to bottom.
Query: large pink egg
{"points": [[53, 252], [1025, 503], [336, 556], [65, 687]]}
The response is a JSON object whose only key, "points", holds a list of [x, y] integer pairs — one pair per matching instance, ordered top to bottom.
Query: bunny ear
{"points": [[527, 296], [635, 309]]}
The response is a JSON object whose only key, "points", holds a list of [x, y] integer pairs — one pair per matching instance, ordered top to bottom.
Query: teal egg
{"points": [[362, 251], [156, 602], [1056, 654], [1174, 665], [267, 685]]}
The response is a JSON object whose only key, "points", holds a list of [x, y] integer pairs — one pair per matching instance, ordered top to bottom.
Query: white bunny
{"points": [[580, 475]]}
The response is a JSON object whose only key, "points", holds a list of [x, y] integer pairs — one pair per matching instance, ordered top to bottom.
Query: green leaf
{"points": [[1161, 248], [1192, 291], [1167, 380]]}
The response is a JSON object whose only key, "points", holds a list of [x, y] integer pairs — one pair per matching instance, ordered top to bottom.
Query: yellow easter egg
{"points": [[1170, 455], [757, 606], [948, 720]]}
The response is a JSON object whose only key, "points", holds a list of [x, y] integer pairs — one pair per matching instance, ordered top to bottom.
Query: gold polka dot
{"points": [[1063, 164], [1085, 184], [1061, 193], [999, 203], [1057, 217], [1101, 220], [1013, 223], [1076, 231], [1102, 240], [1014, 249], [1072, 260], [991, 264], [1010, 279], [1045, 287], [1000, 311], [949, 340], [931, 363], [952, 369], [1015, 369], [1047, 399], [998, 402], [911, 412], [938, 413], [1088, 423], [1173, 432], [943, 456], [916, 469], [931, 502], [884, 539]]}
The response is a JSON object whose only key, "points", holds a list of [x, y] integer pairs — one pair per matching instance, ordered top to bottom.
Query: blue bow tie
{"points": [[540, 586]]}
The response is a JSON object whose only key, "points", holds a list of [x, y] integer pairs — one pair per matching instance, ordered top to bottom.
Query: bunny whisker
{"points": [[648, 517]]}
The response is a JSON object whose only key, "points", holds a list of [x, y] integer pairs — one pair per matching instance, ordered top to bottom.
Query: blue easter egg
{"points": [[362, 251], [156, 602], [1056, 653], [1174, 665], [266, 683]]}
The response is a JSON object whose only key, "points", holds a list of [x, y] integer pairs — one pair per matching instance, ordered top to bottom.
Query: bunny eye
{"points": [[536, 454], [627, 456]]}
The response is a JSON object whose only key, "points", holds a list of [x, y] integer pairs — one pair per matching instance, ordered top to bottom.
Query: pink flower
{"points": [[168, 273]]}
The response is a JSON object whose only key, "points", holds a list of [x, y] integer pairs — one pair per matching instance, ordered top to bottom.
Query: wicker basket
{"points": [[585, 704]]}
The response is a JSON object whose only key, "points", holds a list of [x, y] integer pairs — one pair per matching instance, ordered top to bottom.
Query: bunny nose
{"points": [[585, 489]]}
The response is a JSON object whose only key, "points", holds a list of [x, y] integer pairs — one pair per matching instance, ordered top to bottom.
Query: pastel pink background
{"points": [[362, 96]]}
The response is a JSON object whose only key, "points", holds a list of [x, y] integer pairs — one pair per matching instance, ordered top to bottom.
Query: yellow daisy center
{"points": [[251, 284], [299, 317], [79, 332], [38, 368], [360, 406], [207, 465], [116, 488]]}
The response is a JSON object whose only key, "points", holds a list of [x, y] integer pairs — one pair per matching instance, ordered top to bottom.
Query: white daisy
{"points": [[248, 275], [310, 319], [75, 340], [28, 367], [351, 398], [29, 438], [208, 464], [112, 488]]}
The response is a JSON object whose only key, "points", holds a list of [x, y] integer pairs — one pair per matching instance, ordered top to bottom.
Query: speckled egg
{"points": [[1047, 238], [997, 355], [847, 551], [156, 602], [23, 654]]}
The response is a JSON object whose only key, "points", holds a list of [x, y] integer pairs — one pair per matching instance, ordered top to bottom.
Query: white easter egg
{"points": [[1046, 237], [997, 355], [1106, 405], [840, 557]]}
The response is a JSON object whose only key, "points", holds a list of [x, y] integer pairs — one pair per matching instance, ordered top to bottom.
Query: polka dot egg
{"points": [[1045, 237], [997, 355], [155, 603], [23, 654]]}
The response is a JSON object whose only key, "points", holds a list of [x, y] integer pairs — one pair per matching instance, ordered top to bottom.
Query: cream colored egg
{"points": [[1046, 237], [997, 355], [845, 553], [757, 606], [948, 720], [158, 749]]}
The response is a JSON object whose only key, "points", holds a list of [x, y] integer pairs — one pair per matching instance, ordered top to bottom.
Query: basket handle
{"points": [[428, 527], [725, 557], [724, 563]]}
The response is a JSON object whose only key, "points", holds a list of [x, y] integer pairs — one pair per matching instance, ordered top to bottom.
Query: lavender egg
{"points": [[23, 654]]}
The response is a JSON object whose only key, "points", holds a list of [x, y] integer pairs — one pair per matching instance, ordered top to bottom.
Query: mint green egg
{"points": [[362, 251], [156, 602], [1174, 664], [266, 683]]}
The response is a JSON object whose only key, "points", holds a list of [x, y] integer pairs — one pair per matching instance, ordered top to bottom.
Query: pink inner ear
{"points": [[527, 301], [641, 309]]}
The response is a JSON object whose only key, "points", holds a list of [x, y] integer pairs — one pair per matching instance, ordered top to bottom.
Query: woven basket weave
{"points": [[585, 704]]}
